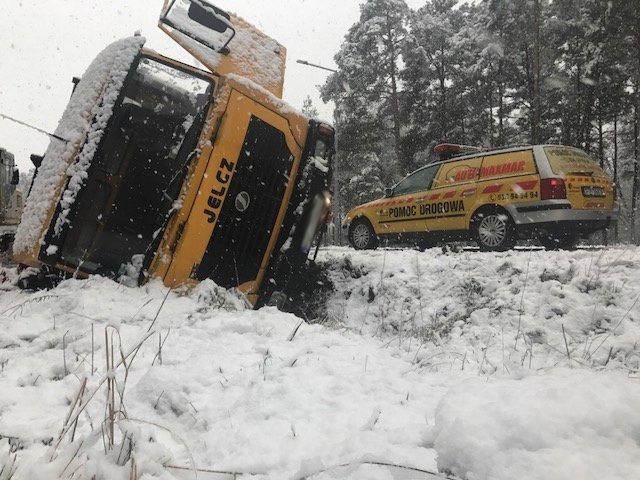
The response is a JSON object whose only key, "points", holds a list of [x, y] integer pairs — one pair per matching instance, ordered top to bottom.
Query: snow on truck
{"points": [[189, 174], [10, 199]]}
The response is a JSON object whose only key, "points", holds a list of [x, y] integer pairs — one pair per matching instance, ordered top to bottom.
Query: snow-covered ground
{"points": [[454, 362]]}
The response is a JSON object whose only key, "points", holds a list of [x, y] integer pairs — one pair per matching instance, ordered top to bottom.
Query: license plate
{"points": [[593, 191]]}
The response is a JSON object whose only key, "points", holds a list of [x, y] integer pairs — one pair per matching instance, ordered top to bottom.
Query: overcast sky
{"points": [[44, 43]]}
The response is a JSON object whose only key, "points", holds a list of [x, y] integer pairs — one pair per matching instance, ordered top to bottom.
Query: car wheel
{"points": [[495, 231], [362, 236]]}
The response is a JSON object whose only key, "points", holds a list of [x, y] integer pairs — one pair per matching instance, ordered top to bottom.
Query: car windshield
{"points": [[139, 167]]}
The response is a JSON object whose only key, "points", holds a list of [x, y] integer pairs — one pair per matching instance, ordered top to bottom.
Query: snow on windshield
{"points": [[82, 124]]}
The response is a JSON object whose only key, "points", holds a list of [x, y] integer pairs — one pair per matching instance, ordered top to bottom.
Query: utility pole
{"points": [[337, 218]]}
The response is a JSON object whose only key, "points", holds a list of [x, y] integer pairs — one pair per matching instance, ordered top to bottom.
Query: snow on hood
{"points": [[82, 124]]}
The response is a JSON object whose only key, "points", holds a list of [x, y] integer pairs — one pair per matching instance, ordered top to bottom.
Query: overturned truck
{"points": [[190, 174]]}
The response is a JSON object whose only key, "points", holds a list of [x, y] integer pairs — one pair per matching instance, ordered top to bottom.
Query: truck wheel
{"points": [[494, 231], [362, 236]]}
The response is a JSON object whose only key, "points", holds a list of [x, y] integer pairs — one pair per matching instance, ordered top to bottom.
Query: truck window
{"points": [[571, 161], [508, 165], [139, 167], [416, 182]]}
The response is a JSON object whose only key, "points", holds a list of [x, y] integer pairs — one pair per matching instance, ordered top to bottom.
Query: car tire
{"points": [[494, 230], [362, 235]]}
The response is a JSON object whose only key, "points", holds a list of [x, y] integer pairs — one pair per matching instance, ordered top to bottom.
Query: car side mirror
{"points": [[15, 179], [388, 192]]}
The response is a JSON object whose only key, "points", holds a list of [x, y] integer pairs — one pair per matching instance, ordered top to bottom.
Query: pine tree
{"points": [[366, 91], [308, 108]]}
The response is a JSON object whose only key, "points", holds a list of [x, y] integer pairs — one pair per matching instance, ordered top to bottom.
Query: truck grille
{"points": [[241, 235]]}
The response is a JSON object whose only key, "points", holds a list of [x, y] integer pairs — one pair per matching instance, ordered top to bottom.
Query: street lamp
{"points": [[309, 64], [336, 188]]}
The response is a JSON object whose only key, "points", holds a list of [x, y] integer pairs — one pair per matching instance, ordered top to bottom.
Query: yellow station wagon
{"points": [[552, 193]]}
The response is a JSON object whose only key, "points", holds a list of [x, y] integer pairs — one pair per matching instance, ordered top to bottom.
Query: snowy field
{"points": [[517, 365]]}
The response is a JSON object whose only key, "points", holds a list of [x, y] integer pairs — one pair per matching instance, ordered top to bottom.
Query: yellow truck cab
{"points": [[184, 173], [552, 193]]}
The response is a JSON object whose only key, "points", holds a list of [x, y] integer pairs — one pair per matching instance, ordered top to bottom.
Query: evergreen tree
{"points": [[488, 73], [366, 92], [308, 108]]}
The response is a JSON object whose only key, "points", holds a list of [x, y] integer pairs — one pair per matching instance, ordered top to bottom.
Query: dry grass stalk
{"points": [[521, 309], [295, 330], [566, 345], [81, 407], [8, 469]]}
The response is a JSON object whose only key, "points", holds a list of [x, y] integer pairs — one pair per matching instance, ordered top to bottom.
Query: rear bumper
{"points": [[557, 211], [553, 216]]}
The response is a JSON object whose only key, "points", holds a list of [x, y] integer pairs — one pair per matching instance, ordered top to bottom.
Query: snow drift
{"points": [[229, 389]]}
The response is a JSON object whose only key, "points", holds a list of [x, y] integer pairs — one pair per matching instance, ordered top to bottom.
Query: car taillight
{"points": [[552, 189]]}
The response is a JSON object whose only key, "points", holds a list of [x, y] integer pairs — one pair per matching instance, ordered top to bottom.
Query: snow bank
{"points": [[82, 124], [494, 312], [231, 390], [236, 390], [554, 426]]}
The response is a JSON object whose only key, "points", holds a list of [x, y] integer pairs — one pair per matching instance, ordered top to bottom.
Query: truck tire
{"points": [[494, 230], [362, 236]]}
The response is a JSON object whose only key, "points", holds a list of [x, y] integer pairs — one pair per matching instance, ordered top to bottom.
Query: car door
{"points": [[452, 195], [402, 212]]}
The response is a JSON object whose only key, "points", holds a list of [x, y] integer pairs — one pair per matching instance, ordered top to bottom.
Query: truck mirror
{"points": [[190, 16], [209, 16], [36, 160], [15, 179], [388, 192]]}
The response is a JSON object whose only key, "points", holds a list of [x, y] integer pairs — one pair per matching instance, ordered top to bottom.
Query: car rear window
{"points": [[571, 161]]}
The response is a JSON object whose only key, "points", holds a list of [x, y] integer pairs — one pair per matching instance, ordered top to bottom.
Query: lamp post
{"points": [[336, 187]]}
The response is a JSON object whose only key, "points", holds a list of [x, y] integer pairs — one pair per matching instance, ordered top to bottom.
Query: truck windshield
{"points": [[138, 169]]}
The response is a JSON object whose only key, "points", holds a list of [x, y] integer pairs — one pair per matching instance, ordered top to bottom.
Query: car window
{"points": [[572, 161], [416, 182]]}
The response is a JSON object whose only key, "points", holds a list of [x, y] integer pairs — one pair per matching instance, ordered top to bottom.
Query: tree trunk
{"points": [[490, 99], [395, 103], [535, 124], [444, 125], [501, 135], [636, 170], [605, 234], [616, 237]]}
